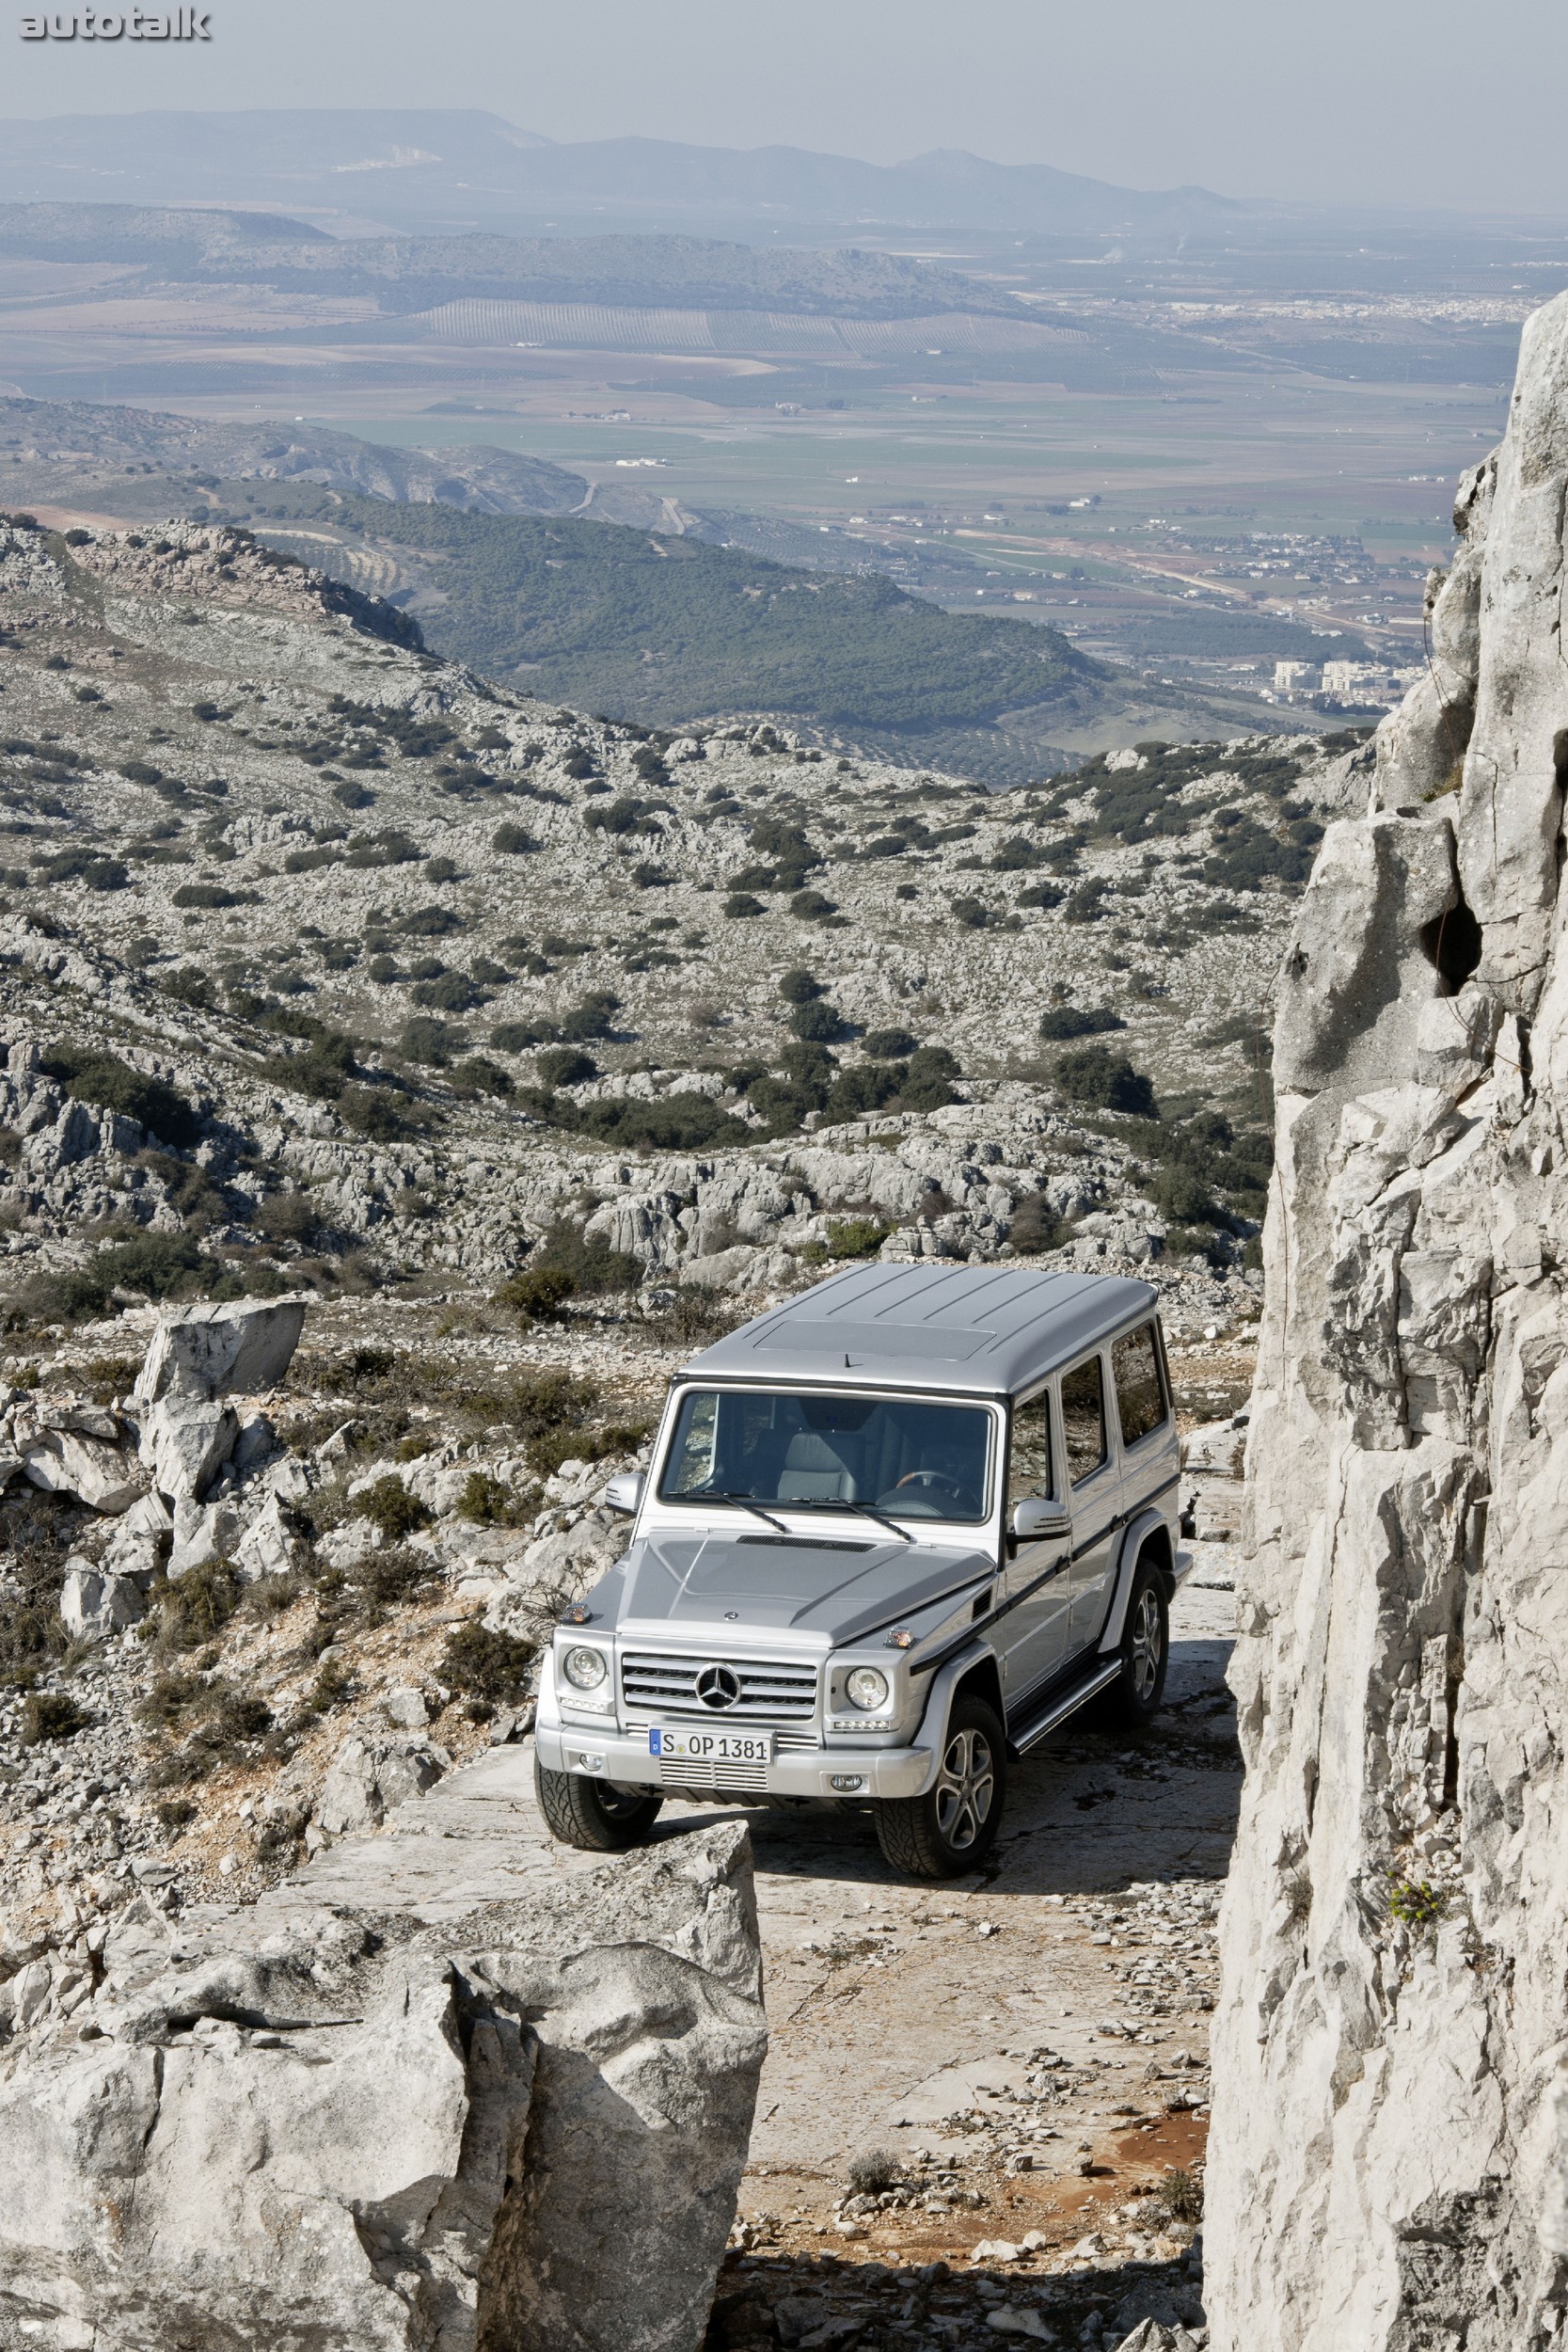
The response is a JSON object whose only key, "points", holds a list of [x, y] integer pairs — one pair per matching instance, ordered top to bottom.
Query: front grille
{"points": [[668, 1686], [687, 1772]]}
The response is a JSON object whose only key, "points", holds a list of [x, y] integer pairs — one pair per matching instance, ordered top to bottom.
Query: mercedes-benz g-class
{"points": [[895, 1532]]}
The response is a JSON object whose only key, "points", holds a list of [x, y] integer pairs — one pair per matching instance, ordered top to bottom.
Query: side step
{"points": [[1058, 1710]]}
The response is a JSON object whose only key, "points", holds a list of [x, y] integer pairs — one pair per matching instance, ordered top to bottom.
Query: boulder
{"points": [[235, 1350], [185, 1444], [102, 1476], [202, 1531], [269, 1545], [94, 1606], [371, 1774], [525, 2127]]}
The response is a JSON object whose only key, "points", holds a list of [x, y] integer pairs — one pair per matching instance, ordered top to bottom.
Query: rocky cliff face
{"points": [[1388, 2160]]}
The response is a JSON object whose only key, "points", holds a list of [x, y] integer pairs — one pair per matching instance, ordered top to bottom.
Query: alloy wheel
{"points": [[1145, 1653], [965, 1789]]}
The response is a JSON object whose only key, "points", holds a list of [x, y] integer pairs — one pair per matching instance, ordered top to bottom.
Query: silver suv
{"points": [[894, 1532]]}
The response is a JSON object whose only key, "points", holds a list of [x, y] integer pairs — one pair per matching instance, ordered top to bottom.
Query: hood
{"points": [[836, 1588]]}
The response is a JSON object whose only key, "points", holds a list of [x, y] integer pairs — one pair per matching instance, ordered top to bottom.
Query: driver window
{"points": [[1083, 1419], [1029, 1470]]}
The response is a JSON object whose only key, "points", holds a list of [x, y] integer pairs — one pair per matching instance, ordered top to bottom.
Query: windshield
{"points": [[910, 1459]]}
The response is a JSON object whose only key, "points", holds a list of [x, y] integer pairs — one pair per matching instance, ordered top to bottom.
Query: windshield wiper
{"points": [[747, 1504], [861, 1510]]}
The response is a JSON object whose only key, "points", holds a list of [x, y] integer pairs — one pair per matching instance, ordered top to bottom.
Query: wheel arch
{"points": [[1147, 1537]]}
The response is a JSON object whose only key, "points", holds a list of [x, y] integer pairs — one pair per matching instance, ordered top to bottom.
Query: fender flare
{"points": [[1137, 1533], [939, 1700]]}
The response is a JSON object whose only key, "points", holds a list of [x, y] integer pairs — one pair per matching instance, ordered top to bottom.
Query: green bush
{"points": [[1041, 895], [211, 896], [740, 905], [810, 905], [972, 913], [800, 987], [454, 992], [592, 1017], [1060, 1021], [817, 1023], [431, 1044], [889, 1045], [566, 1066], [477, 1074], [103, 1079], [1099, 1080], [372, 1112], [1036, 1226], [856, 1237], [154, 1265], [539, 1293], [486, 1502], [393, 1508], [191, 1610], [486, 1665], [49, 1715]]}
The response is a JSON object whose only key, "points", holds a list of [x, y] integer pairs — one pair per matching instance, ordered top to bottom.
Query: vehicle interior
{"points": [[905, 1456]]}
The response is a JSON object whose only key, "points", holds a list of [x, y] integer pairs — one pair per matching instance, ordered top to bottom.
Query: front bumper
{"points": [[623, 1756]]}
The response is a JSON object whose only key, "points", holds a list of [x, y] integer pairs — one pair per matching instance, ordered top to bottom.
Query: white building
{"points": [[1295, 678]]}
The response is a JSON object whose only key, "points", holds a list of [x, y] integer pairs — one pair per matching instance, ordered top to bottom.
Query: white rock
{"points": [[242, 1348], [185, 1444], [102, 1476], [202, 1533], [269, 1545], [94, 1606], [406, 1709], [373, 1773], [1386, 2162]]}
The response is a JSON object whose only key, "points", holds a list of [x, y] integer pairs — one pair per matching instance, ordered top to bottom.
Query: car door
{"points": [[1149, 1447], [1094, 1481], [1032, 1634]]}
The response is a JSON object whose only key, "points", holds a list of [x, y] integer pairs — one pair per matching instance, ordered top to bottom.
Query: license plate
{"points": [[714, 1747]]}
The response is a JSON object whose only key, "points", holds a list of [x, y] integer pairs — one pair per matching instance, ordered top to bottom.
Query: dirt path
{"points": [[1019, 2057]]}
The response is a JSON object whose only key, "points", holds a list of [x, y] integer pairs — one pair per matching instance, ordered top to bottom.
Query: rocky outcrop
{"points": [[321, 2126], [1388, 2162]]}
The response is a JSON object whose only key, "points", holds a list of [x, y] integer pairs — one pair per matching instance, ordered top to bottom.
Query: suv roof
{"points": [[989, 1329]]}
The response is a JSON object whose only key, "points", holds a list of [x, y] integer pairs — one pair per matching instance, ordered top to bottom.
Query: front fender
{"points": [[1138, 1531], [939, 1703]]}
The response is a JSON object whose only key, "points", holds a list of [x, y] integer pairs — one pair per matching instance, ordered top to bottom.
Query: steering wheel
{"points": [[934, 1478]]}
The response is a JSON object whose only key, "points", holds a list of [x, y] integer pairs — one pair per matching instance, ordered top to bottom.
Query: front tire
{"points": [[1139, 1690], [595, 1815], [953, 1827]]}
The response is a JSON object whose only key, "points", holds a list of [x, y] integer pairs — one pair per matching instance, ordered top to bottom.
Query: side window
{"points": [[1140, 1391], [1083, 1419], [1029, 1470]]}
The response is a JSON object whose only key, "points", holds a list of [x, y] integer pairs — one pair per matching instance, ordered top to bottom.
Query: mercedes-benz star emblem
{"points": [[719, 1686]]}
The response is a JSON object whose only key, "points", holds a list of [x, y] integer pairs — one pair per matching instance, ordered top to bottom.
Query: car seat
{"points": [[821, 1469]]}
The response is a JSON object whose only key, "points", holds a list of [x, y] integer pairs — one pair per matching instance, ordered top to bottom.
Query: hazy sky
{"points": [[1422, 102]]}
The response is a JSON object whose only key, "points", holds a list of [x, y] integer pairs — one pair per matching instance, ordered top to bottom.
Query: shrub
{"points": [[349, 795], [512, 841], [442, 869], [1041, 895], [213, 896], [740, 905], [810, 905], [972, 913], [432, 923], [191, 986], [798, 986], [454, 992], [593, 1016], [1060, 1021], [817, 1023], [520, 1037], [431, 1044], [889, 1045], [566, 1066], [478, 1075], [94, 1076], [1100, 1080], [925, 1084], [372, 1112], [1182, 1196], [289, 1216], [1036, 1225], [856, 1237], [155, 1265], [539, 1292], [550, 1399], [488, 1503], [393, 1508], [193, 1609], [486, 1665], [49, 1715], [871, 2172], [1181, 2195]]}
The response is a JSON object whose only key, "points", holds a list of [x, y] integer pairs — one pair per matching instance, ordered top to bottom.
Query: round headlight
{"points": [[585, 1668], [867, 1688]]}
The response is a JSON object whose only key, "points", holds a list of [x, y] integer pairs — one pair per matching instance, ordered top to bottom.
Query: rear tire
{"points": [[1140, 1688], [595, 1815], [953, 1827]]}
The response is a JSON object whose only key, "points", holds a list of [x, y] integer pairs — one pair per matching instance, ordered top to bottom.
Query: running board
{"points": [[1059, 1709]]}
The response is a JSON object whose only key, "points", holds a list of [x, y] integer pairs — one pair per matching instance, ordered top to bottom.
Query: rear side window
{"points": [[1140, 1391], [1083, 1419], [1029, 1470]]}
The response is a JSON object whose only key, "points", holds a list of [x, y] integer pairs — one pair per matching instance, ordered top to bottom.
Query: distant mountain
{"points": [[428, 167]]}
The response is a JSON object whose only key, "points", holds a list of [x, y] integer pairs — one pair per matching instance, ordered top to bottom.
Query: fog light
{"points": [[588, 1763], [847, 1783]]}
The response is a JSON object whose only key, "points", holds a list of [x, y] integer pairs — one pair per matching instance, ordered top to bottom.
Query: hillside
{"points": [[411, 274]]}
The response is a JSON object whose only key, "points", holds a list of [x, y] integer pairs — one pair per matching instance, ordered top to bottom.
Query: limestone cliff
{"points": [[1390, 2141]]}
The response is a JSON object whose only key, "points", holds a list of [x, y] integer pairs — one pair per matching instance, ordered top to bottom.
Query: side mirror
{"points": [[624, 1492], [1037, 1517]]}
